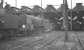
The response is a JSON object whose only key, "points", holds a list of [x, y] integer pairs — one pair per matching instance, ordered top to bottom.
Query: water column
{"points": [[65, 15], [65, 20]]}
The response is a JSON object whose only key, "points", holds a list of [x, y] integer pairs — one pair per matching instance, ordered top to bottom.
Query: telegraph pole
{"points": [[16, 3], [1, 4], [41, 13], [71, 16], [65, 20]]}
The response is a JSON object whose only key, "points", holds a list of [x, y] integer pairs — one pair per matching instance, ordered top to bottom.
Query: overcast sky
{"points": [[30, 3]]}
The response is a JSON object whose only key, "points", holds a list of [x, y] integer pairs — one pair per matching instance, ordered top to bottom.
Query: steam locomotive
{"points": [[10, 24]]}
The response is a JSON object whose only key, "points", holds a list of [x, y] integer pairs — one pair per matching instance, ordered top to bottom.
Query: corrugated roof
{"points": [[78, 7], [50, 8], [37, 9], [60, 9]]}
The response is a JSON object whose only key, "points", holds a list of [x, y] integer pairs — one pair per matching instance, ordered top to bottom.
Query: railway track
{"points": [[51, 41], [38, 44]]}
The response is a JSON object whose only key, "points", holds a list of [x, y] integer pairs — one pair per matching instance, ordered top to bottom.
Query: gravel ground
{"points": [[54, 40]]}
